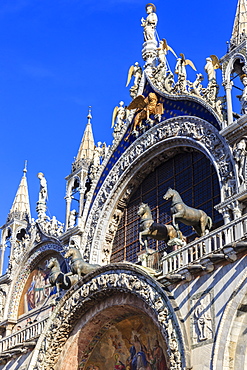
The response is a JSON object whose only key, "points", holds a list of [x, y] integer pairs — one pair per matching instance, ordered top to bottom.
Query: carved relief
{"points": [[202, 319]]}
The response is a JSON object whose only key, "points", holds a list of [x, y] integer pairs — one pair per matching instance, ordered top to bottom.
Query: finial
{"points": [[89, 116], [25, 168]]}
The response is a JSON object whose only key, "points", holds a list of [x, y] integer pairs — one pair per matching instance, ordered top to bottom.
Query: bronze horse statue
{"points": [[187, 215], [150, 229], [78, 265], [57, 277]]}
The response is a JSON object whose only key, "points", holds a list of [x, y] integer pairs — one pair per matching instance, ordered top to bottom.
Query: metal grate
{"points": [[193, 176]]}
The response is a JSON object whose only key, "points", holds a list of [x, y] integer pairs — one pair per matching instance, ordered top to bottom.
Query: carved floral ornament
{"points": [[188, 131], [105, 283]]}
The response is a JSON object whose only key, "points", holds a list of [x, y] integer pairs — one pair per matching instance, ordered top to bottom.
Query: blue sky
{"points": [[59, 57]]}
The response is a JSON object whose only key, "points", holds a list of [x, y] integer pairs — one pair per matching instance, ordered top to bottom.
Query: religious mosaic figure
{"points": [[149, 24], [138, 358], [159, 361], [118, 364]]}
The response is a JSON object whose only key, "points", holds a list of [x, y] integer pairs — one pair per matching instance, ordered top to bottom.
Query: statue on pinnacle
{"points": [[149, 24]]}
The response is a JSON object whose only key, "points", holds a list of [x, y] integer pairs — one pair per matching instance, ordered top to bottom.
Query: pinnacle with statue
{"points": [[155, 54]]}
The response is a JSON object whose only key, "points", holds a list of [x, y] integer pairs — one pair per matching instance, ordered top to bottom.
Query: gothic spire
{"points": [[239, 32], [87, 143], [21, 207]]}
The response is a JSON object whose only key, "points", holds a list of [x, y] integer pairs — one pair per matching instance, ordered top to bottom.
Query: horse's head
{"points": [[169, 194], [142, 209], [68, 253], [52, 262]]}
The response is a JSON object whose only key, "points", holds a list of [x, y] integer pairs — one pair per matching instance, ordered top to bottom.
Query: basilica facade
{"points": [[148, 270]]}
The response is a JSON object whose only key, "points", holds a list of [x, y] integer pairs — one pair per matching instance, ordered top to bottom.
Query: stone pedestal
{"points": [[149, 54], [41, 209]]}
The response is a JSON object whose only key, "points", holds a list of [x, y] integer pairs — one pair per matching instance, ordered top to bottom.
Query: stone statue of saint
{"points": [[149, 24], [209, 69], [243, 98], [118, 119], [239, 153], [43, 195], [72, 218]]}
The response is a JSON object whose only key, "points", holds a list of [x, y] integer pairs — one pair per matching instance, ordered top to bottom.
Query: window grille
{"points": [[193, 176]]}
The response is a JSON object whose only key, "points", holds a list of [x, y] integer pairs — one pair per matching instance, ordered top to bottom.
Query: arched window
{"points": [[193, 176]]}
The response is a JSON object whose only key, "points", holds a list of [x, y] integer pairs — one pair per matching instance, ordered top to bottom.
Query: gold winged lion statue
{"points": [[145, 107]]}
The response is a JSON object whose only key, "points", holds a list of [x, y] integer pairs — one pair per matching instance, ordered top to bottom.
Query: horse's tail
{"points": [[209, 223], [65, 281]]}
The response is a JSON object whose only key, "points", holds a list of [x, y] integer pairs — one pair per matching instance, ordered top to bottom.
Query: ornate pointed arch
{"points": [[230, 65], [77, 310]]}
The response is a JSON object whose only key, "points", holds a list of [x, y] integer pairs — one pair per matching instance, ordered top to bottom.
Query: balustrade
{"points": [[212, 242], [30, 332]]}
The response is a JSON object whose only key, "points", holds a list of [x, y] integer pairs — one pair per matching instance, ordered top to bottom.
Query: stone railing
{"points": [[213, 242], [31, 332]]}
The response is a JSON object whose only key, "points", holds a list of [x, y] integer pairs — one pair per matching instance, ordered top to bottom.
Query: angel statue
{"points": [[149, 24], [162, 51], [212, 64], [180, 70], [136, 72], [210, 93], [145, 107], [119, 116]]}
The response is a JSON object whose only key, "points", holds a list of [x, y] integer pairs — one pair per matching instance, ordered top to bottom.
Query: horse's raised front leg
{"points": [[175, 225], [140, 238], [146, 244], [68, 273], [79, 273], [58, 289]]}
